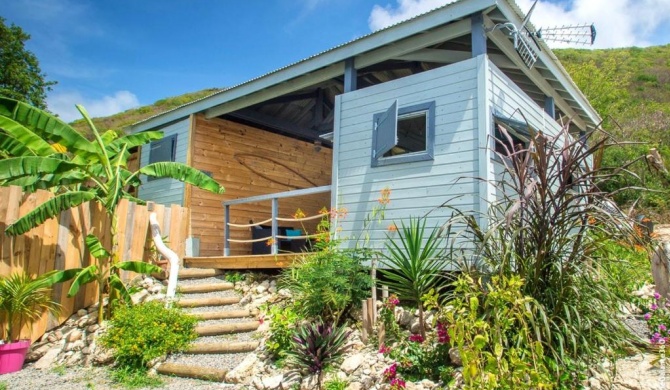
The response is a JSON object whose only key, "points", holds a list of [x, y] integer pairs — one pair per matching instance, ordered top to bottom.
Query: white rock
{"points": [[148, 282], [265, 283], [155, 289], [261, 289], [272, 289], [284, 292], [139, 296], [82, 312], [415, 327], [74, 335], [74, 346], [455, 356], [48, 359], [351, 363], [241, 373], [273, 382], [309, 382], [258, 383], [428, 384], [594, 384], [355, 386]]}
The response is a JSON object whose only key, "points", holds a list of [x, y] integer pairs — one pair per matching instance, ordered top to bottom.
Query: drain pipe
{"points": [[172, 257]]}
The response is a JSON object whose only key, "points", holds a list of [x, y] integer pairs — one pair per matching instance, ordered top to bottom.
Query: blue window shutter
{"points": [[387, 130]]}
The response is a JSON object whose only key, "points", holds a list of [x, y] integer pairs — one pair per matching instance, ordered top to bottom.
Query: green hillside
{"points": [[630, 88], [128, 117]]}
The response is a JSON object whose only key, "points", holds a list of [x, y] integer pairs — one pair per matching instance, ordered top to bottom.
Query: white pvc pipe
{"points": [[172, 257]]}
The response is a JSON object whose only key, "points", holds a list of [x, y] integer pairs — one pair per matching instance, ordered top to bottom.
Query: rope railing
{"points": [[274, 237]]}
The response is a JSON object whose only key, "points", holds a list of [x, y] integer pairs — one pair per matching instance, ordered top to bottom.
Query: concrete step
{"points": [[191, 273], [205, 288], [213, 301], [222, 315], [219, 329], [228, 347], [186, 371]]}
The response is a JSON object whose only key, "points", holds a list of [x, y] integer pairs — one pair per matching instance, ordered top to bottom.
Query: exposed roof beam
{"points": [[419, 41], [504, 44], [451, 56], [276, 90], [292, 98], [256, 117]]}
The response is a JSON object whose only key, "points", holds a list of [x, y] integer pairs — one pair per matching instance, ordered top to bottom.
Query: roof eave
{"points": [[427, 21]]}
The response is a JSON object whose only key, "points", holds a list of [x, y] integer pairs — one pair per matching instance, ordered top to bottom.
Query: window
{"points": [[402, 135], [516, 138], [164, 149]]}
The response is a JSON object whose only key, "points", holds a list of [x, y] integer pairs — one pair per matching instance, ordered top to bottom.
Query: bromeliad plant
{"points": [[46, 153], [316, 346]]}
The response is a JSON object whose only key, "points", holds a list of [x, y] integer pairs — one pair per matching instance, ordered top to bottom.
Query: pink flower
{"points": [[657, 296], [654, 306], [647, 316], [662, 328], [442, 334], [416, 338], [384, 349], [391, 371], [397, 383]]}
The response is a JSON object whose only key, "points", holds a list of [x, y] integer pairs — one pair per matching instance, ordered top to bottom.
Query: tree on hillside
{"points": [[20, 75]]}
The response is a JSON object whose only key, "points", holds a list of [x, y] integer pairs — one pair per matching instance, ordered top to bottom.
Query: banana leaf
{"points": [[46, 125], [26, 137], [138, 139], [11, 147], [13, 168], [184, 173], [47, 210], [95, 247], [139, 267], [57, 276], [84, 276], [115, 283]]}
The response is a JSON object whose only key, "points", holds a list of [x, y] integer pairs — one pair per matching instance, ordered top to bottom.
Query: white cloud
{"points": [[619, 23], [63, 104]]}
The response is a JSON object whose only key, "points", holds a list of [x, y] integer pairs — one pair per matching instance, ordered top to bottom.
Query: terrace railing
{"points": [[274, 218]]}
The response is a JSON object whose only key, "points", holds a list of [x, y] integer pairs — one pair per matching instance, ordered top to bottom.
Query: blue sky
{"points": [[111, 55]]}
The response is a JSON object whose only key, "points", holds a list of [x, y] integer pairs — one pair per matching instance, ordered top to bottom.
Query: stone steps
{"points": [[218, 322]]}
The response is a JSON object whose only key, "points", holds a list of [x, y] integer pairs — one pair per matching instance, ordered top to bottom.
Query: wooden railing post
{"points": [[275, 227], [226, 229]]}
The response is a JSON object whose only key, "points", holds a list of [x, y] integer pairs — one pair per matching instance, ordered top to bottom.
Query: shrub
{"points": [[549, 222], [625, 267], [328, 283], [658, 320], [283, 322], [144, 332], [316, 346]]}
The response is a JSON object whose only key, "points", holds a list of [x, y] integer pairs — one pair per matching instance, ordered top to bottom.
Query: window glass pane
{"points": [[411, 134]]}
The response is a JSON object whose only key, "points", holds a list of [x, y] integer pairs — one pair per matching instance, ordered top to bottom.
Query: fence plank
{"points": [[59, 243]]}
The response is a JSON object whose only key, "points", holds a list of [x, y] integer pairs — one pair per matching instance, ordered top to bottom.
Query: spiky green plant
{"points": [[412, 266], [24, 299]]}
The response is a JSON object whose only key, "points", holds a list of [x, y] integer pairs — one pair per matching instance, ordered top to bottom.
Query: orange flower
{"points": [[385, 197], [324, 211], [299, 214], [392, 228], [270, 241]]}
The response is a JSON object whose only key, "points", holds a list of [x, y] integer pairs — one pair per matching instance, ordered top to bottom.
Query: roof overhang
{"points": [[411, 36]]}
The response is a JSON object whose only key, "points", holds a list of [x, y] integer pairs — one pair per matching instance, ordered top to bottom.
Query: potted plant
{"points": [[23, 299]]}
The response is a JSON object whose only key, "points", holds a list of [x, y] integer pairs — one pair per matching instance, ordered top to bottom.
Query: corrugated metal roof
{"points": [[297, 62]]}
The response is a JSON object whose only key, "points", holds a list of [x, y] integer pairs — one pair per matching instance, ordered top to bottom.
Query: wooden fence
{"points": [[59, 243]]}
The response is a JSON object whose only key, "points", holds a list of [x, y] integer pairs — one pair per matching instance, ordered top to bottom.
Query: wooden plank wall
{"points": [[248, 161], [59, 243]]}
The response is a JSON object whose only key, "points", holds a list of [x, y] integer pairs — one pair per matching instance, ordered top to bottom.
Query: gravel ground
{"points": [[247, 336], [225, 361], [78, 378]]}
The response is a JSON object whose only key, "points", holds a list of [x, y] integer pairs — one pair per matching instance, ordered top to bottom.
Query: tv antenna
{"points": [[522, 36]]}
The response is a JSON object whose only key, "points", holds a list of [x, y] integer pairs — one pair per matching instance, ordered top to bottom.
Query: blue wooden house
{"points": [[412, 107]]}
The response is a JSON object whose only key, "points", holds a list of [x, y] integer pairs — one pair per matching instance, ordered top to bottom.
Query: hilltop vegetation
{"points": [[630, 88], [128, 117]]}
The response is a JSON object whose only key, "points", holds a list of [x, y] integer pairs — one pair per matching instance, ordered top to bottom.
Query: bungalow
{"points": [[411, 107]]}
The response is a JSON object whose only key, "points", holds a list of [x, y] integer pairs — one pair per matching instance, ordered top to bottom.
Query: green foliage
{"points": [[20, 75], [539, 230], [412, 267], [626, 268], [234, 277], [328, 283], [24, 299], [658, 320], [283, 322], [144, 332], [498, 332], [316, 346], [133, 378], [335, 384], [3, 386]]}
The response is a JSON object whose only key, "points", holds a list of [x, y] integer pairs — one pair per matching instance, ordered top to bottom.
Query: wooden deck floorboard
{"points": [[282, 260]]}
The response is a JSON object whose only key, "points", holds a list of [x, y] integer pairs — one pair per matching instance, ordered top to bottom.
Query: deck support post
{"points": [[275, 227], [226, 229]]}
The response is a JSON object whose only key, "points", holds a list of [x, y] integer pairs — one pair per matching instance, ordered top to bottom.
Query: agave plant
{"points": [[44, 152], [412, 266], [24, 299], [316, 346]]}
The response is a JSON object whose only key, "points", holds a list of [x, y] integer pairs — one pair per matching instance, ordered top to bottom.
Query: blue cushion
{"points": [[293, 232]]}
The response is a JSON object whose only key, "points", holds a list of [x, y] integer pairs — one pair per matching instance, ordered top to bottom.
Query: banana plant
{"points": [[43, 152]]}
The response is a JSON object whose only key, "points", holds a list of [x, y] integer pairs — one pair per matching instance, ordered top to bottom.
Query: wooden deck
{"points": [[282, 260]]}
